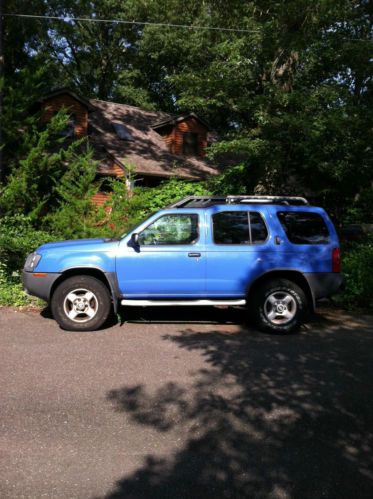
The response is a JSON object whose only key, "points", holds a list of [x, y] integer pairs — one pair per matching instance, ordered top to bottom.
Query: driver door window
{"points": [[171, 230]]}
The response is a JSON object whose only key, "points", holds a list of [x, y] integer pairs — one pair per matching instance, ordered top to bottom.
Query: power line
{"points": [[133, 23], [147, 23]]}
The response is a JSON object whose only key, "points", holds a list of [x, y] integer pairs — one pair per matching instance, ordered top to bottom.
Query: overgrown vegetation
{"points": [[291, 98], [73, 215], [18, 237], [357, 264]]}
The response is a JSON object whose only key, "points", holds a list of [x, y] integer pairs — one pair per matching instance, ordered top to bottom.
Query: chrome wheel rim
{"points": [[80, 305], [280, 308]]}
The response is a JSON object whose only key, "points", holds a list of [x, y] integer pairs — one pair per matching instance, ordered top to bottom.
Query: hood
{"points": [[95, 244]]}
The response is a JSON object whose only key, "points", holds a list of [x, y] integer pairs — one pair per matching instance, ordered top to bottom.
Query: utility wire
{"points": [[133, 23], [147, 23]]}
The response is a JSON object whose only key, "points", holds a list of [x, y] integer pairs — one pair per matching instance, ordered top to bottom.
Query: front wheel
{"points": [[81, 303], [279, 306]]}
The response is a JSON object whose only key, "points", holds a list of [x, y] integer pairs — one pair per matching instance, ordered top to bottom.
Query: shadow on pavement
{"points": [[171, 315], [179, 315], [281, 417]]}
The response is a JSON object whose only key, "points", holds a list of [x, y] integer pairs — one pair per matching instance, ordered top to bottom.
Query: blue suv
{"points": [[275, 255]]}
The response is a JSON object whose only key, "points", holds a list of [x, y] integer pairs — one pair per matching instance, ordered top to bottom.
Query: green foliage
{"points": [[22, 41], [291, 99], [14, 117], [31, 185], [149, 200], [128, 211], [360, 211], [75, 215], [18, 238], [357, 264], [11, 290]]}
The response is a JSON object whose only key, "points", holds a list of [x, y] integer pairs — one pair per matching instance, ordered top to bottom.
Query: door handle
{"points": [[195, 255]]}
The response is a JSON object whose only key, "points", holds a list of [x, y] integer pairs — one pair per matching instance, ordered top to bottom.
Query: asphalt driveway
{"points": [[163, 406]]}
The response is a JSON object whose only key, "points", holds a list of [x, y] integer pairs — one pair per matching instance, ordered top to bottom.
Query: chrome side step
{"points": [[180, 303]]}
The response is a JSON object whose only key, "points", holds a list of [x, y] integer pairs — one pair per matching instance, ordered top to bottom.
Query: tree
{"points": [[290, 95], [32, 184], [75, 215]]}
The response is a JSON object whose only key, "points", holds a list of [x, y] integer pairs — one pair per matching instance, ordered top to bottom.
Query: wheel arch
{"points": [[291, 275], [107, 278]]}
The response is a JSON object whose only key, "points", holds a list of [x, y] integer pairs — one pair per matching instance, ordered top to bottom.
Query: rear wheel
{"points": [[81, 303], [279, 306]]}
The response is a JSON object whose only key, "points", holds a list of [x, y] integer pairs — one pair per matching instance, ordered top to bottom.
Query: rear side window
{"points": [[238, 227], [304, 227]]}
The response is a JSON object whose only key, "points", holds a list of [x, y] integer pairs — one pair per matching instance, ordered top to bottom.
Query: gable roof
{"points": [[63, 91], [173, 120], [147, 153]]}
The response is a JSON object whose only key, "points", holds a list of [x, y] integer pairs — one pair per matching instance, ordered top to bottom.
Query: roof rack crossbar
{"points": [[268, 199], [202, 201]]}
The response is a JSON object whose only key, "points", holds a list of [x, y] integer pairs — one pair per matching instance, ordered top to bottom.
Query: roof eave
{"points": [[66, 90], [177, 119]]}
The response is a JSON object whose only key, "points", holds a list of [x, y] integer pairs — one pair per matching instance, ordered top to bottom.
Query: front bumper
{"points": [[39, 284]]}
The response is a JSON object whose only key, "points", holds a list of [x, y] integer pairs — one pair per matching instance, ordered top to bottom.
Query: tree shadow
{"points": [[268, 416]]}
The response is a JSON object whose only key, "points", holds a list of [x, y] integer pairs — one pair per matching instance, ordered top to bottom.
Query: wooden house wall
{"points": [[80, 112], [173, 135]]}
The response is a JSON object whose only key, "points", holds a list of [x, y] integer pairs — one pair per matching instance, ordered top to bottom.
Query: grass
{"points": [[13, 295]]}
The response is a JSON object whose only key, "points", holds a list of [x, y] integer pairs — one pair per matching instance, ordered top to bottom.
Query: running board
{"points": [[181, 303]]}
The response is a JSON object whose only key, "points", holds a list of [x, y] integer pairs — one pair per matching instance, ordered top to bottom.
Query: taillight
{"points": [[336, 260]]}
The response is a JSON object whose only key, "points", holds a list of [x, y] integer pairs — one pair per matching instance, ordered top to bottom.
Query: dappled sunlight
{"points": [[268, 416]]}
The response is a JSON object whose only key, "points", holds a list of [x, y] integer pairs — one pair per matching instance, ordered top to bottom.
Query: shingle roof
{"points": [[65, 90], [173, 120], [147, 153]]}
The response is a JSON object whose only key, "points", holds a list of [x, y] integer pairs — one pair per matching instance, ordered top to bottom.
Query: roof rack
{"points": [[205, 201]]}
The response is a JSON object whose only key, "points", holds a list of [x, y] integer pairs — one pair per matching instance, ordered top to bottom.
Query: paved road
{"points": [[161, 407]]}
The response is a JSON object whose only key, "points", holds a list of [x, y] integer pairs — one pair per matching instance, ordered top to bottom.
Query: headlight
{"points": [[31, 262]]}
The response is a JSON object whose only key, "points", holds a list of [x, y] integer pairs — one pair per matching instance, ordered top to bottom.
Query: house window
{"points": [[122, 131], [190, 144], [106, 185]]}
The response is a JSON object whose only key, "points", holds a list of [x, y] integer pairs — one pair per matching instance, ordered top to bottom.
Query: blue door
{"points": [[238, 249], [168, 262]]}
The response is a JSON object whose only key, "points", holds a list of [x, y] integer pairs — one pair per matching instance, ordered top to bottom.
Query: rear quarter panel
{"points": [[306, 258]]}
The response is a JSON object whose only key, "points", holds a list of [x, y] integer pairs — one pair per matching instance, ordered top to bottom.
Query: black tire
{"points": [[81, 303], [279, 306]]}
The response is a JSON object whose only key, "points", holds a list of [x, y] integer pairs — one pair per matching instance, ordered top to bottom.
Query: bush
{"points": [[129, 210], [75, 215], [18, 238], [357, 265], [11, 290]]}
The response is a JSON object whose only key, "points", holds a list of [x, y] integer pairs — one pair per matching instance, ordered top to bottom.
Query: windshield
{"points": [[134, 227]]}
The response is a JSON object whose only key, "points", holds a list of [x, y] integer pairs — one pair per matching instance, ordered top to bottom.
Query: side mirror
{"points": [[135, 239]]}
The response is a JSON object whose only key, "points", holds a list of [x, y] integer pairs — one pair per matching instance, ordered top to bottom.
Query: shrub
{"points": [[30, 186], [128, 211], [75, 215], [18, 237], [357, 269], [11, 290]]}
